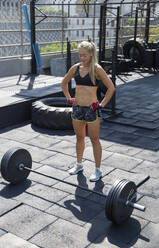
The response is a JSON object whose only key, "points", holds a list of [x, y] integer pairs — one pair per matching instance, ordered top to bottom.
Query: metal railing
{"points": [[58, 21]]}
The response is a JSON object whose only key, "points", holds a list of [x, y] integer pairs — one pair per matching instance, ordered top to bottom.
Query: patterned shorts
{"points": [[84, 113]]}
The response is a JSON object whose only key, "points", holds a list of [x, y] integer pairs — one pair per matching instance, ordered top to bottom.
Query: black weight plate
{"points": [[10, 165], [115, 197], [109, 199], [108, 205], [120, 211]]}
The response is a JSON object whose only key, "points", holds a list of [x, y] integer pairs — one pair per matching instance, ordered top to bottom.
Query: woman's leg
{"points": [[80, 131], [93, 132]]}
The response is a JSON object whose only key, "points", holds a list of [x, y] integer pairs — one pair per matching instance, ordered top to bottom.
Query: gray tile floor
{"points": [[45, 213]]}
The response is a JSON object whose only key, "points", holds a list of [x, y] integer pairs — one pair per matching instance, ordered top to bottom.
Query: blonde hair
{"points": [[91, 48]]}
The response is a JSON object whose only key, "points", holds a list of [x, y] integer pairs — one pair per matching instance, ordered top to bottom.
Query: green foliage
{"points": [[50, 10], [131, 21], [129, 27], [154, 31], [74, 45], [57, 47]]}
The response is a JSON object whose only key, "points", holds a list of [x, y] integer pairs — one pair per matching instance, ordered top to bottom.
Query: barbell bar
{"points": [[16, 165]]}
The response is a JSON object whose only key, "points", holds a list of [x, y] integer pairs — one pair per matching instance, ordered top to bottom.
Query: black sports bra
{"points": [[86, 80]]}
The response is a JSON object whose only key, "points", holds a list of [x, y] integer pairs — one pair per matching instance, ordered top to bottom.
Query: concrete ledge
{"points": [[14, 66], [19, 66], [58, 67]]}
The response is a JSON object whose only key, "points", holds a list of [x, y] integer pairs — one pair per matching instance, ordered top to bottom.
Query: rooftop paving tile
{"points": [[19, 135], [42, 141], [65, 147], [123, 149], [40, 154], [88, 154], [148, 155], [60, 161], [122, 161], [149, 168], [50, 171], [124, 174], [80, 180], [150, 188], [10, 191], [41, 196], [7, 205], [75, 209], [44, 213], [151, 213], [25, 221], [62, 233], [112, 235], [149, 237], [9, 240]]}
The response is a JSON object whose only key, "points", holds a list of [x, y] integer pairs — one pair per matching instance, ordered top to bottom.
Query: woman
{"points": [[85, 105]]}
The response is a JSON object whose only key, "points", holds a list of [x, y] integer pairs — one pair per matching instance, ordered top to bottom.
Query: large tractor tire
{"points": [[134, 50], [52, 113]]}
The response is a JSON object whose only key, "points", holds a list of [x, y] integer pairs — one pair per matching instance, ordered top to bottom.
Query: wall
{"points": [[20, 66]]}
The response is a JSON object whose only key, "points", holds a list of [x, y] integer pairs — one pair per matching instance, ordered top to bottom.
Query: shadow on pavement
{"points": [[51, 131], [11, 190], [99, 227]]}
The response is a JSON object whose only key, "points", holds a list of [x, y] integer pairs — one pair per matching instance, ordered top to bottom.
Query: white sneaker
{"points": [[75, 169], [96, 176]]}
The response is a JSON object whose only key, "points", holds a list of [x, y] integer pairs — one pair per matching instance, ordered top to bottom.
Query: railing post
{"points": [[147, 23], [102, 33], [33, 39], [115, 60], [69, 63], [114, 71]]}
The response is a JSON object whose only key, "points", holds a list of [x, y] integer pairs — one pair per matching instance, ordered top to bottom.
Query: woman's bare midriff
{"points": [[85, 95]]}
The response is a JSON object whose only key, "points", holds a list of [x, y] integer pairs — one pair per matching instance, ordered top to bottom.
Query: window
{"points": [[77, 21], [83, 22], [112, 23], [77, 33], [82, 33]]}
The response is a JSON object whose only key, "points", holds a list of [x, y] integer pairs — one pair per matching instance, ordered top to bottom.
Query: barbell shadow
{"points": [[16, 165], [99, 186], [11, 190], [44, 199], [82, 207], [90, 211], [124, 235], [144, 238]]}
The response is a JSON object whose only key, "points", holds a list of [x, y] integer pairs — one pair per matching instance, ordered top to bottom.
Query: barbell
{"points": [[16, 165]]}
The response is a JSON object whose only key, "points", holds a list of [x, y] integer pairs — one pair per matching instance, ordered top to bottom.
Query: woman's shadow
{"points": [[89, 208]]}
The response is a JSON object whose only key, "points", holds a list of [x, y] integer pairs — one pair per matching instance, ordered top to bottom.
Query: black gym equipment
{"points": [[142, 52], [102, 61], [52, 113], [16, 165]]}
